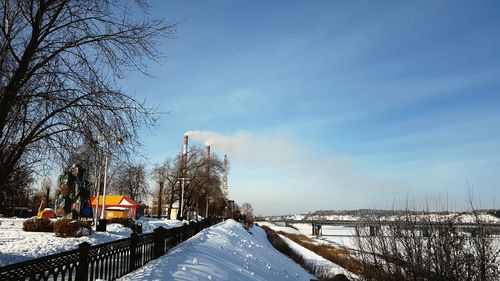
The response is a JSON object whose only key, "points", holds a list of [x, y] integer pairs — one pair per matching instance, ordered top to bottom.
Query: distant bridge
{"points": [[375, 225]]}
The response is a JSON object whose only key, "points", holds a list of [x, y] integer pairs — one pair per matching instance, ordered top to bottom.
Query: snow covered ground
{"points": [[17, 245], [223, 252]]}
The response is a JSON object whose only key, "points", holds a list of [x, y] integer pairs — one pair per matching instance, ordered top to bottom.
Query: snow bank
{"points": [[149, 224], [285, 229], [223, 252]]}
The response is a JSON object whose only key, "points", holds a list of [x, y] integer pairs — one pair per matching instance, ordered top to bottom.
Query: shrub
{"points": [[123, 221], [127, 223], [38, 225], [71, 228], [442, 253]]}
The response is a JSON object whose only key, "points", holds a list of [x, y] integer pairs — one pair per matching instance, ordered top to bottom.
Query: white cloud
{"points": [[249, 148], [279, 175]]}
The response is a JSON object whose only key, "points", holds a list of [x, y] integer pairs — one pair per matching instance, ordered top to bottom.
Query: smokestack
{"points": [[185, 147], [207, 151], [184, 155], [207, 157], [224, 186]]}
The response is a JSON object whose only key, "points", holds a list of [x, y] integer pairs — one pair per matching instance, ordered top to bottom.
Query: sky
{"points": [[334, 104]]}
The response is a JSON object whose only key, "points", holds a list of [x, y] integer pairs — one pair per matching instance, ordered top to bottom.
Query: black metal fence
{"points": [[104, 261]]}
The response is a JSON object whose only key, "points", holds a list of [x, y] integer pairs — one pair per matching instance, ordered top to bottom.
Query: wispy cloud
{"points": [[285, 171]]}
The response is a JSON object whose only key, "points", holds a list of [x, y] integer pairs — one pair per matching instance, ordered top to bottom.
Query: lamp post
{"points": [[106, 159], [182, 181], [160, 198], [206, 209], [101, 223]]}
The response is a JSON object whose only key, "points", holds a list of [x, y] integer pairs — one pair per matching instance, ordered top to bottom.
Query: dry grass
{"points": [[282, 246], [342, 257]]}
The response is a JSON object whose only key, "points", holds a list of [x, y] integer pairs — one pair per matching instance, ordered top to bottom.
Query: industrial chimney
{"points": [[184, 155], [207, 158], [224, 185]]}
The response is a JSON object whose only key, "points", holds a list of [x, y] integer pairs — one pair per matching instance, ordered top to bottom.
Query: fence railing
{"points": [[103, 261]]}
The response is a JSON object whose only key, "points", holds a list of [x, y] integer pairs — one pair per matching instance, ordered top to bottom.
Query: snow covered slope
{"points": [[223, 252]]}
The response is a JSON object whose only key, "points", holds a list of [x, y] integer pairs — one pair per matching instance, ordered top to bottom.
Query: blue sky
{"points": [[334, 104]]}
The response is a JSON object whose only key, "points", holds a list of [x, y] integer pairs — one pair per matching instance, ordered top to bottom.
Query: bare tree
{"points": [[60, 61], [204, 176], [130, 180], [247, 211], [425, 250]]}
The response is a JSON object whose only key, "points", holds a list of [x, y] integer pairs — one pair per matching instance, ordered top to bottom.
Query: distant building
{"points": [[127, 206], [153, 209]]}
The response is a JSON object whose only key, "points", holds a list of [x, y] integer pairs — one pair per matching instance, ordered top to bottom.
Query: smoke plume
{"points": [[249, 147]]}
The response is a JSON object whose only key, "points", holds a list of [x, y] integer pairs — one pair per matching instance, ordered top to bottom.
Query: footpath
{"points": [[225, 251]]}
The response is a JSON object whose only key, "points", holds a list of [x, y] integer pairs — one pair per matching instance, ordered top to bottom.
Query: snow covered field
{"points": [[17, 245], [223, 252]]}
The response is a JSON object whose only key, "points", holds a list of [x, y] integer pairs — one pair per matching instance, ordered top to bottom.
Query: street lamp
{"points": [[161, 181], [182, 182], [206, 210], [101, 224]]}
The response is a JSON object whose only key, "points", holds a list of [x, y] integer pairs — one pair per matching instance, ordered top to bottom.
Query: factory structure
{"points": [[224, 184], [230, 207]]}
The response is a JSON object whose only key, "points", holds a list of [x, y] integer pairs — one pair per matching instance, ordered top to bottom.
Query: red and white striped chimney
{"points": [[184, 155]]}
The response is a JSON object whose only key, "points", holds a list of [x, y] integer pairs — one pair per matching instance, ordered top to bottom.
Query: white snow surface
{"points": [[17, 245], [225, 251]]}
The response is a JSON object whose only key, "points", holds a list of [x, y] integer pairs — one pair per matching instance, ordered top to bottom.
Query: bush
{"points": [[123, 221], [127, 223], [38, 225], [71, 228], [441, 253]]}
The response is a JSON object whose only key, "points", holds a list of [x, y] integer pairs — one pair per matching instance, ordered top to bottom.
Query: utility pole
{"points": [[159, 200], [206, 209]]}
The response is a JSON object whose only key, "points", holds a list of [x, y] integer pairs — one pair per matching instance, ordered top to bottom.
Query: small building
{"points": [[153, 209], [135, 210], [117, 212]]}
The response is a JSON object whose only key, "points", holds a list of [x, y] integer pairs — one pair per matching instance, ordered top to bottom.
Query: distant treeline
{"points": [[379, 213]]}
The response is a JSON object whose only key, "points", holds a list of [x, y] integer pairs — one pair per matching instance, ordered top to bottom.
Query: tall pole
{"points": [[105, 181], [98, 187], [182, 196], [159, 199], [206, 209]]}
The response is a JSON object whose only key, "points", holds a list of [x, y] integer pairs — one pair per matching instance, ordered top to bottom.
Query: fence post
{"points": [[182, 229], [159, 242], [133, 246], [83, 262]]}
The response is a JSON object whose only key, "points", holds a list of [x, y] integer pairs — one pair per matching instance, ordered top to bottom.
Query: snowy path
{"points": [[223, 252]]}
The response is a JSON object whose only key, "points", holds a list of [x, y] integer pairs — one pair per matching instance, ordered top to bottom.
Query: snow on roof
{"points": [[117, 208]]}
